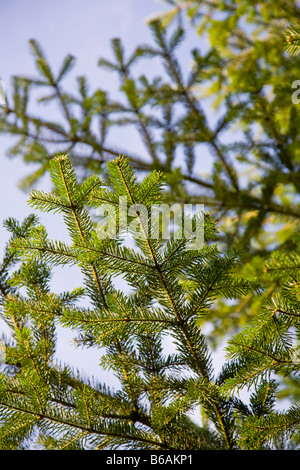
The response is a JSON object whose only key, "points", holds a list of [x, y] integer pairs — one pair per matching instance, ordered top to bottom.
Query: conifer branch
{"points": [[151, 407]]}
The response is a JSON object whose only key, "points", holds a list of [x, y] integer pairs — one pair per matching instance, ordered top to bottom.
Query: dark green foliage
{"points": [[172, 288]]}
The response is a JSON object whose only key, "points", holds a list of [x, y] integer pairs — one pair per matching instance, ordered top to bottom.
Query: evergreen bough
{"points": [[242, 161], [171, 289]]}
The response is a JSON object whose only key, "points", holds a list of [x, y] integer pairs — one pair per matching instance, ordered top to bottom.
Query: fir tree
{"points": [[244, 73], [251, 190], [172, 288]]}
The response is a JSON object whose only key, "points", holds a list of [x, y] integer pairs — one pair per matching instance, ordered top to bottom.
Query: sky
{"points": [[61, 27]]}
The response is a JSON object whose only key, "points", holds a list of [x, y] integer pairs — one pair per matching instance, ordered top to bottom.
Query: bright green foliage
{"points": [[292, 40], [242, 162], [171, 290], [271, 344]]}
